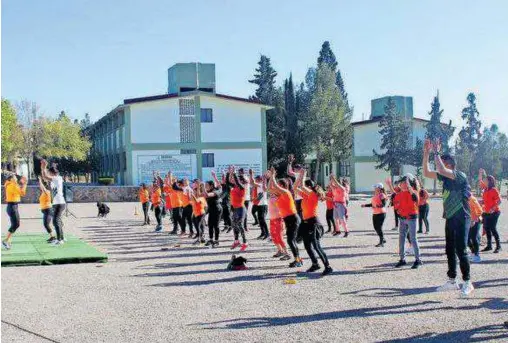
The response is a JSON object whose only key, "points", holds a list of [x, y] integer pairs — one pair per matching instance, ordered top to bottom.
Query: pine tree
{"points": [[265, 80], [291, 123], [395, 137], [467, 144]]}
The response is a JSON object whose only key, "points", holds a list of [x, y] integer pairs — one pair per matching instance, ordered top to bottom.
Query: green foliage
{"points": [[265, 80], [327, 128], [437, 130], [10, 132], [395, 139], [294, 143], [416, 157], [106, 180]]}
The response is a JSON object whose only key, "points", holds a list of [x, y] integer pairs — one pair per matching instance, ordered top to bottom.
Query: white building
{"points": [[191, 131]]}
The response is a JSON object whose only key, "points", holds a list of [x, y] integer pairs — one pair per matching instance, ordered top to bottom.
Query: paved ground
{"points": [[185, 294]]}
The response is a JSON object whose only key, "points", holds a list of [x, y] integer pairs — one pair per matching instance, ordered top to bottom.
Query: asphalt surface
{"points": [[158, 288]]}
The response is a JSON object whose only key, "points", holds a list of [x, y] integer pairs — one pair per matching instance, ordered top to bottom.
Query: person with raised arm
{"points": [[292, 172], [53, 176], [237, 184], [213, 191], [456, 191], [13, 193], [175, 197], [156, 199], [260, 200], [491, 200], [226, 202], [198, 203], [378, 205], [339, 206], [46, 209], [423, 209], [288, 212], [276, 223], [311, 228]]}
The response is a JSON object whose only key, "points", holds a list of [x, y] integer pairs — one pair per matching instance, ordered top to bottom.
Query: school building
{"points": [[190, 130], [361, 168]]}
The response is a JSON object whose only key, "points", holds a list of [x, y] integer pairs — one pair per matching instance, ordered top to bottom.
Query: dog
{"points": [[103, 209]]}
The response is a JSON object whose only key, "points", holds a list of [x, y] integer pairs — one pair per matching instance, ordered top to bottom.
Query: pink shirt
{"points": [[339, 195], [273, 210]]}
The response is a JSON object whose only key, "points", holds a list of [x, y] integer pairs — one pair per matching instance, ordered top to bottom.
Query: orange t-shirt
{"points": [[144, 195], [167, 195], [254, 195], [339, 195], [156, 197], [237, 197], [176, 198], [184, 198], [45, 200], [424, 200], [491, 200], [329, 203], [286, 204], [377, 204], [309, 205], [406, 205], [198, 206], [476, 208]]}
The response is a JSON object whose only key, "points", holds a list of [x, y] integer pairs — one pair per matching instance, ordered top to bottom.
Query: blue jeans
{"points": [[408, 225]]}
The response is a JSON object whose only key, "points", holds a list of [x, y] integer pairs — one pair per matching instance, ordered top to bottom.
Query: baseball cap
{"points": [[379, 185]]}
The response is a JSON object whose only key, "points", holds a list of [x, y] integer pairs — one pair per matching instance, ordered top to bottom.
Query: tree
{"points": [[265, 80], [85, 122], [31, 123], [327, 127], [63, 138], [395, 138], [469, 138], [11, 139], [293, 141], [416, 157]]}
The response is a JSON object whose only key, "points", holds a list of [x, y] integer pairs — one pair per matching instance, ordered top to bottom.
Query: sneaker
{"points": [[158, 228], [229, 229], [419, 231], [427, 232], [173, 233], [336, 233], [346, 234], [196, 236], [261, 236], [265, 237], [51, 239], [202, 240], [58, 242], [196, 242], [208, 243], [215, 244], [6, 245], [235, 245], [380, 245], [244, 247], [487, 248], [498, 249], [278, 254], [285, 257], [475, 259], [296, 263], [401, 263], [417, 264], [313, 268], [328, 270], [450, 285], [467, 289]]}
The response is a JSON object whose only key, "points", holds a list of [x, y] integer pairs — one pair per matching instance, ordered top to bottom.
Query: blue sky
{"points": [[87, 56]]}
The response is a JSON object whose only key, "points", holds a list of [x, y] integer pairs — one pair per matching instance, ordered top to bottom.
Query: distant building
{"points": [[191, 130]]}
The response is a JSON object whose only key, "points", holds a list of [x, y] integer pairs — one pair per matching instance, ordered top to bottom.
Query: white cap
{"points": [[410, 176], [379, 185]]}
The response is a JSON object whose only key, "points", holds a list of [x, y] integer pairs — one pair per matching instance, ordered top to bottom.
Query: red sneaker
{"points": [[235, 244], [244, 247]]}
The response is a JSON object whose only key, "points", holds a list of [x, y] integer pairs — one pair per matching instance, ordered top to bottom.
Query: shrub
{"points": [[106, 180]]}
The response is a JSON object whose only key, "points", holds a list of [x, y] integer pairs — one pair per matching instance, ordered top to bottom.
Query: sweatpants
{"points": [[146, 206], [261, 212], [226, 214], [423, 217], [187, 218], [178, 219], [57, 220], [377, 221], [213, 223], [238, 223], [292, 223], [408, 225], [490, 225], [456, 233], [311, 240]]}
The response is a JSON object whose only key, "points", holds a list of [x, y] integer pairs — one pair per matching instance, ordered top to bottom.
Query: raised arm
{"points": [[290, 170], [44, 171], [427, 172], [216, 182], [300, 183], [334, 183], [41, 185], [273, 186]]}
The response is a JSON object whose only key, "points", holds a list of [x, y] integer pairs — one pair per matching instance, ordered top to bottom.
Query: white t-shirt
{"points": [[57, 190], [247, 191], [263, 200]]}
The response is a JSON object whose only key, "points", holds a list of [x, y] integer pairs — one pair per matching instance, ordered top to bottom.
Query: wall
{"points": [[155, 121], [233, 121], [366, 138], [246, 158], [163, 161], [366, 175]]}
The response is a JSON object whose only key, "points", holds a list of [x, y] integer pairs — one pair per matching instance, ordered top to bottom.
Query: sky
{"points": [[87, 56]]}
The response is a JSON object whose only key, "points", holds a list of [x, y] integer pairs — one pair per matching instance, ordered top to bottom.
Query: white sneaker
{"points": [[57, 242], [410, 251], [475, 259], [450, 285], [467, 289]]}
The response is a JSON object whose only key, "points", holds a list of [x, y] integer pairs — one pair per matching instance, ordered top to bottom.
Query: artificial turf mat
{"points": [[32, 249]]}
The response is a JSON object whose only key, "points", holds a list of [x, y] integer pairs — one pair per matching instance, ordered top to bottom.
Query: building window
{"points": [[206, 115], [187, 151], [124, 160], [208, 160], [345, 168], [327, 170]]}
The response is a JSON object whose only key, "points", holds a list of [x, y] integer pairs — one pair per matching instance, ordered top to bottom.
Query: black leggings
{"points": [[298, 204], [246, 205], [145, 207], [12, 211], [254, 211], [261, 212], [158, 214], [226, 214], [423, 214], [396, 217], [187, 218], [46, 219], [178, 219], [57, 220], [330, 221], [377, 221], [213, 222], [292, 223], [198, 224], [490, 225], [474, 238], [311, 240]]}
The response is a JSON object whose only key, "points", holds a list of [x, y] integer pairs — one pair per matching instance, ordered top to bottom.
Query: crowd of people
{"points": [[287, 205]]}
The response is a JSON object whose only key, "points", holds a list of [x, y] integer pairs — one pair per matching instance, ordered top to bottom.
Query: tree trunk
{"points": [[316, 172], [435, 187]]}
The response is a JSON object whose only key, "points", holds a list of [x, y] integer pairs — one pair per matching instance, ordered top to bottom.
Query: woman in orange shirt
{"points": [[13, 194], [238, 194], [144, 198], [156, 198], [491, 202], [198, 203], [378, 204], [46, 209], [287, 209], [329, 209], [423, 209], [311, 229]]}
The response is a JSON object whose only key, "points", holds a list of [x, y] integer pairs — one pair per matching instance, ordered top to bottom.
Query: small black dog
{"points": [[103, 209]]}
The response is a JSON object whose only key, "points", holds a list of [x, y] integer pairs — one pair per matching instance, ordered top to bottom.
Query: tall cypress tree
{"points": [[264, 78], [395, 139]]}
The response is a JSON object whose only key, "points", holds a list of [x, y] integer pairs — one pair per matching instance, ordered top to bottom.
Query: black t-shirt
{"points": [[214, 202]]}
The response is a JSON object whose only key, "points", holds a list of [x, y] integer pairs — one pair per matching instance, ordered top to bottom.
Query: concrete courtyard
{"points": [[158, 288]]}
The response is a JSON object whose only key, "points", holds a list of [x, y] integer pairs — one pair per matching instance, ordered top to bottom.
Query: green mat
{"points": [[32, 249]]}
